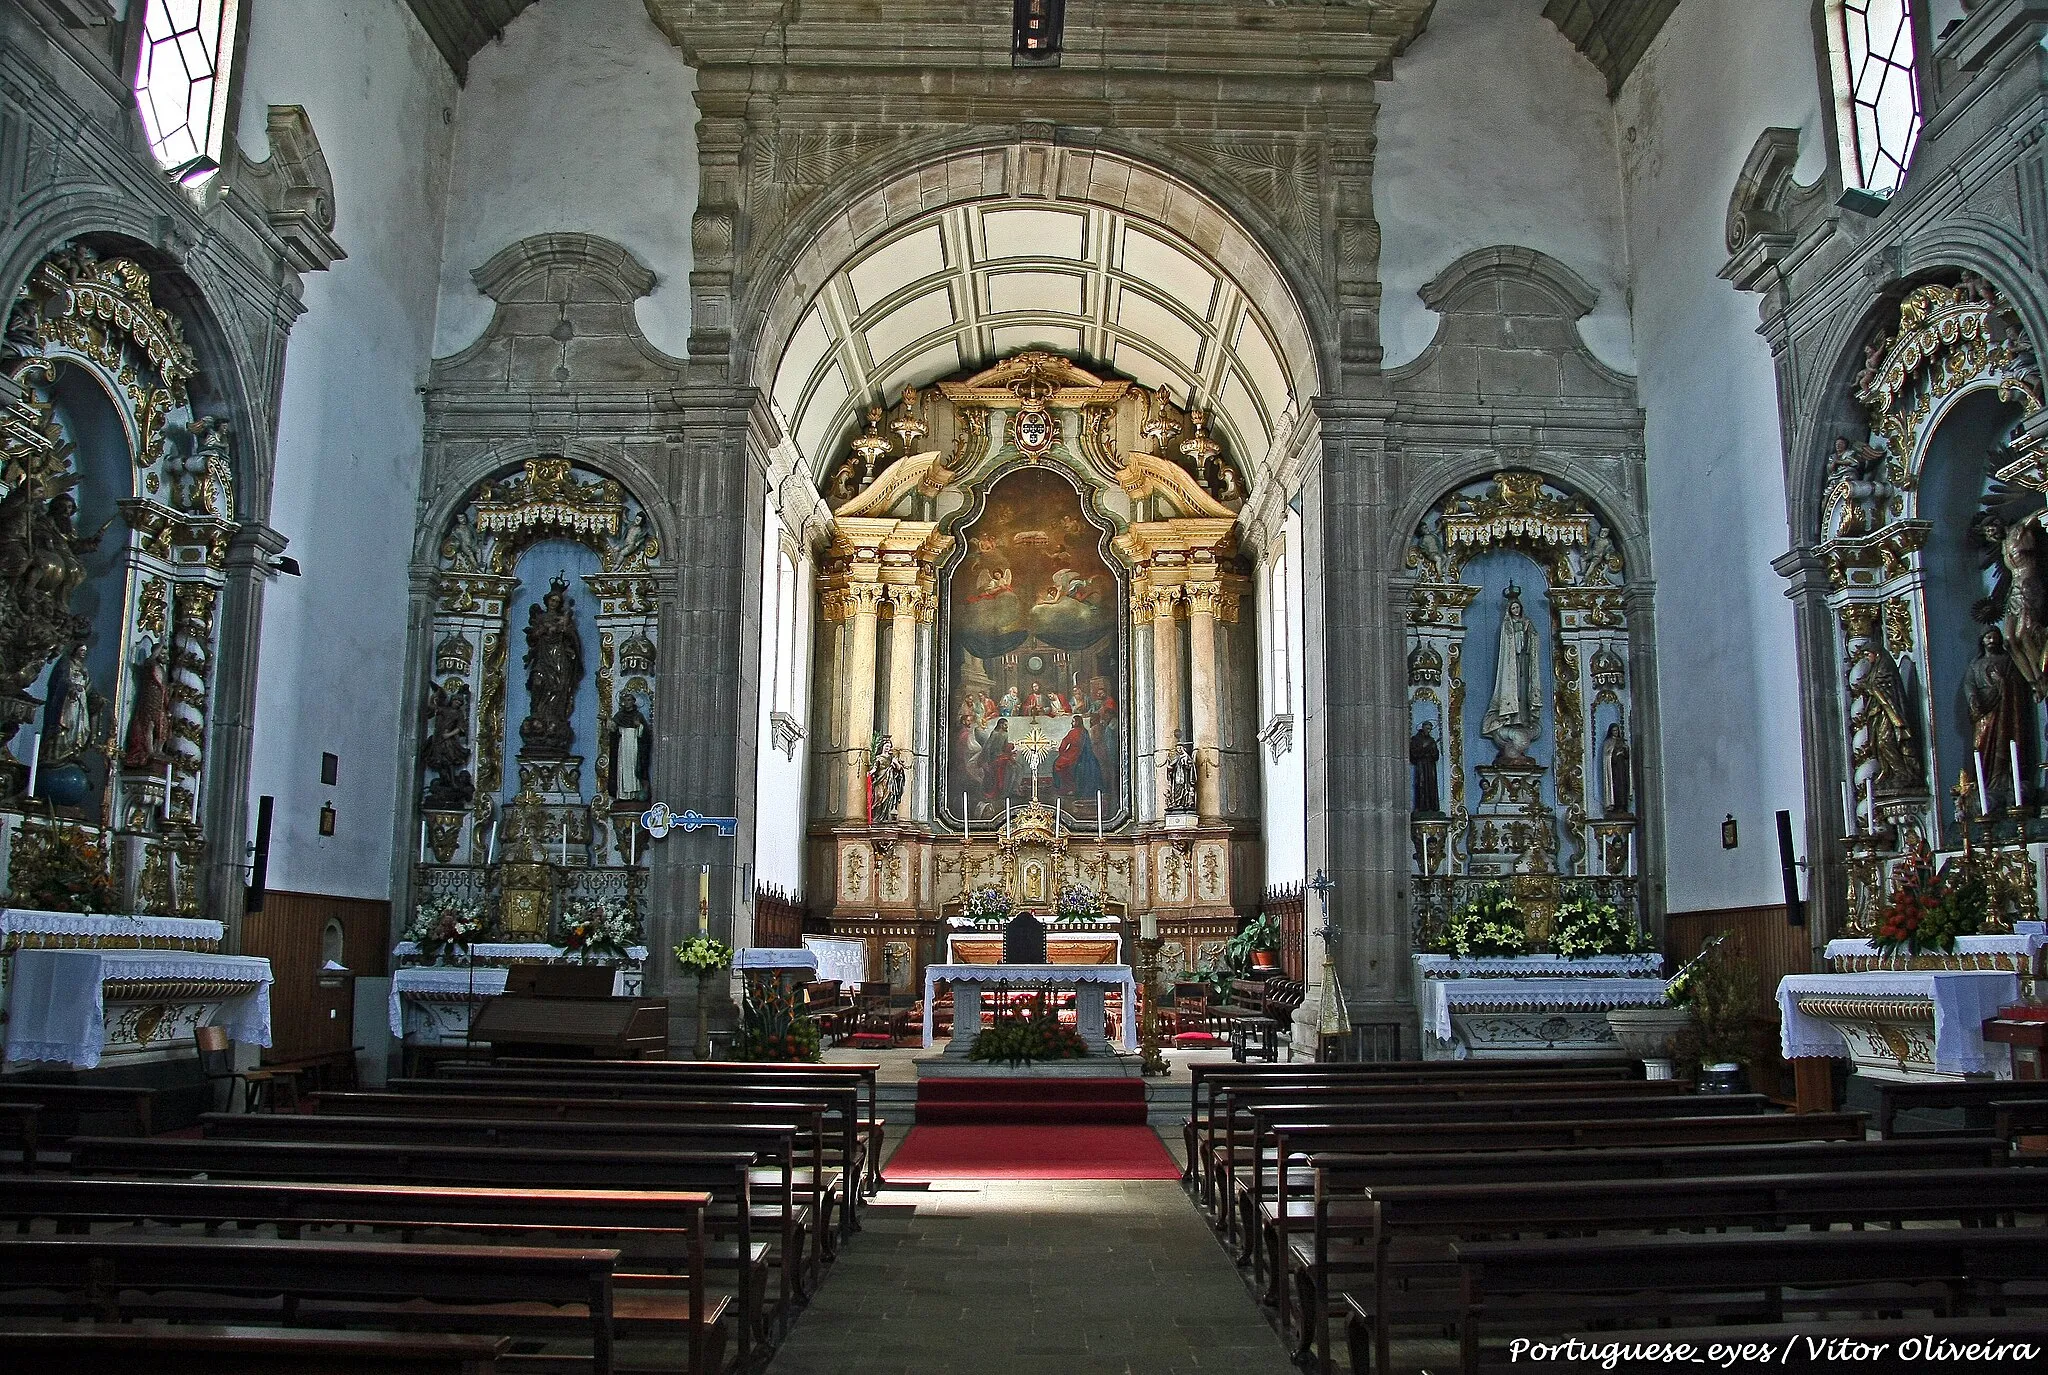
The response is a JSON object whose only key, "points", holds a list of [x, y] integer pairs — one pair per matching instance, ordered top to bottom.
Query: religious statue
{"points": [[1857, 478], [198, 482], [463, 549], [630, 549], [1428, 552], [1599, 558], [40, 568], [2020, 597], [554, 670], [1997, 699], [1878, 711], [1514, 717], [69, 731], [630, 734], [148, 741], [445, 751], [1423, 752], [1617, 770], [1180, 777], [885, 782]]}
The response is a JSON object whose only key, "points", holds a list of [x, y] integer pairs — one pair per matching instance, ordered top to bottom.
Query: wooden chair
{"points": [[276, 1091]]}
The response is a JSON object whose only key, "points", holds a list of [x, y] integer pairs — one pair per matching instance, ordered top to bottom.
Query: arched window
{"points": [[181, 84], [1877, 90]]}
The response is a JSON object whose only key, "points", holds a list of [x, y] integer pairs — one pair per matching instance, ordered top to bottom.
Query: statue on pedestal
{"points": [[554, 670], [1999, 706], [1514, 717], [630, 732], [446, 750], [1423, 753], [1617, 770], [1180, 777], [885, 783]]}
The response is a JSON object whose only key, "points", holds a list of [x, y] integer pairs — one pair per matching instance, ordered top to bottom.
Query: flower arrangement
{"points": [[60, 869], [1077, 902], [988, 906], [1928, 910], [445, 925], [1487, 925], [1587, 927], [593, 930], [704, 958], [773, 1026], [1031, 1033]]}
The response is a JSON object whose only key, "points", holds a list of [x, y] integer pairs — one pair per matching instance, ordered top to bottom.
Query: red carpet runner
{"points": [[1031, 1129]]}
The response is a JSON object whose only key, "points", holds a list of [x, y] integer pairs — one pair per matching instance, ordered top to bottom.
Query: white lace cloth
{"points": [[28, 921], [2022, 943], [524, 951], [773, 957], [840, 958], [1539, 967], [1054, 975], [444, 983], [1440, 997], [1963, 999], [56, 1002]]}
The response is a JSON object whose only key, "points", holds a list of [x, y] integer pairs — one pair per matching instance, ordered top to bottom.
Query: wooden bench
{"points": [[1258, 1011], [1974, 1096], [72, 1108], [22, 1122], [654, 1230], [1395, 1240], [1532, 1289], [556, 1293], [165, 1348]]}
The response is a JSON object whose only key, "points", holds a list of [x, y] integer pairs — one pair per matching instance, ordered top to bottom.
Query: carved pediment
{"points": [[296, 190]]}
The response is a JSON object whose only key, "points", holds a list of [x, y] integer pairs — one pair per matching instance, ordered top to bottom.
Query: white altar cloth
{"points": [[190, 932], [2027, 946], [507, 952], [775, 957], [844, 958], [1539, 967], [1054, 975], [441, 984], [1441, 997], [1963, 999], [57, 1000]]}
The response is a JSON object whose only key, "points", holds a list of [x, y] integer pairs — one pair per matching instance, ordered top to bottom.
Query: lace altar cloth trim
{"points": [[27, 921], [508, 952], [2018, 953], [775, 957], [1539, 967], [1049, 975], [440, 983], [1441, 997], [1962, 998], [56, 1000]]}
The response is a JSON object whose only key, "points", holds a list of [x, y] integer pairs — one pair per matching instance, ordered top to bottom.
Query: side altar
{"points": [[433, 1004], [1528, 1005]]}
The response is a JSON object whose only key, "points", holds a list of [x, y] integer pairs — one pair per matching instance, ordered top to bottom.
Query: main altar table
{"points": [[2019, 953], [1090, 982], [431, 1004], [1528, 1005], [87, 1007], [1914, 1025]]}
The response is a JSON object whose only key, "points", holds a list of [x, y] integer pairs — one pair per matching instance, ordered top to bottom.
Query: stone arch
{"points": [[461, 480], [1613, 506]]}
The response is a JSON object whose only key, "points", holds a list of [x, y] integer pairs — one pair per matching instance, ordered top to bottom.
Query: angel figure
{"points": [[1857, 479], [1428, 551]]}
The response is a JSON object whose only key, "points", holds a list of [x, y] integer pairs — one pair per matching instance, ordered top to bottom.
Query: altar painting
{"points": [[1034, 645]]}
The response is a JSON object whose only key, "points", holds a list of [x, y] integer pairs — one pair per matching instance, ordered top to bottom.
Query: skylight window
{"points": [[181, 84], [1880, 88]]}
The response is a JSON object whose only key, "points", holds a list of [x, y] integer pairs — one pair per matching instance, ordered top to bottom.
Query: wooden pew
{"points": [[1895, 1096], [76, 1108], [22, 1122], [725, 1176], [653, 1228], [1395, 1240], [799, 1257], [1505, 1286], [557, 1293], [164, 1348]]}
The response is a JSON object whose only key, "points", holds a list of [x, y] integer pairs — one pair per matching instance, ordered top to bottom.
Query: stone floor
{"points": [[1023, 1278]]}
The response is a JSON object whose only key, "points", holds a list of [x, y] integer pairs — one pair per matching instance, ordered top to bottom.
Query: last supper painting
{"points": [[1034, 646]]}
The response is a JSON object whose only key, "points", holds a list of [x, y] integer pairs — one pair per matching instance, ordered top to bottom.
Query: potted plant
{"points": [[57, 868], [1927, 910], [445, 926], [1588, 928], [591, 930], [1257, 946], [705, 959], [1719, 987], [1028, 1034]]}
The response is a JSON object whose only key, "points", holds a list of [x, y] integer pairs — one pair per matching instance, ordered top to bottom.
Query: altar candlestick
{"points": [[2014, 746], [35, 757], [167, 788], [1983, 797], [1870, 803], [1849, 807], [1098, 816], [1055, 821], [423, 840], [633, 843], [565, 844], [491, 851], [704, 900], [1148, 926]]}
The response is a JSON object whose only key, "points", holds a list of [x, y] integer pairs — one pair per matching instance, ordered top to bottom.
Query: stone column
{"points": [[1203, 599], [865, 602], [908, 603], [1165, 681]]}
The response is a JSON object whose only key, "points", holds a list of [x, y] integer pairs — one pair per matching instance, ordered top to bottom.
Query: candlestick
{"points": [[1983, 797], [2017, 800], [704, 900]]}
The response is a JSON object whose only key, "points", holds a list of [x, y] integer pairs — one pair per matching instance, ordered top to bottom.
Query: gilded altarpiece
{"points": [[1030, 603]]}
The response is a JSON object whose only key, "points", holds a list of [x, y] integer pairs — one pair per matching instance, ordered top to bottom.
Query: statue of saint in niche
{"points": [[2019, 596], [554, 670], [1997, 699], [1514, 717], [149, 720], [69, 730], [630, 733], [446, 751], [1423, 752], [1617, 770], [1180, 777], [885, 783]]}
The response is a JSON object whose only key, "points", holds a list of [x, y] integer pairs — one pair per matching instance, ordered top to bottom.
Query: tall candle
{"points": [[35, 758], [1983, 798], [2017, 799], [1870, 802], [1849, 807], [1098, 816], [1055, 820], [966, 821], [423, 840], [565, 844], [632, 844], [491, 853], [704, 900], [1148, 926]]}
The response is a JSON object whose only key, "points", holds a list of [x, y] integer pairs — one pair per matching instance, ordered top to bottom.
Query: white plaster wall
{"points": [[1721, 72], [582, 117], [1494, 130], [348, 452], [785, 681], [1286, 794]]}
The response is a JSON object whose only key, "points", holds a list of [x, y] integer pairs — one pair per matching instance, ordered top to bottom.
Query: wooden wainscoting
{"points": [[778, 919], [1776, 950], [307, 1018]]}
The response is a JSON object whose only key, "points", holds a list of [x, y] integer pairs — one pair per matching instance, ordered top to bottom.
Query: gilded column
{"points": [[864, 600], [1204, 601], [908, 603], [1165, 681]]}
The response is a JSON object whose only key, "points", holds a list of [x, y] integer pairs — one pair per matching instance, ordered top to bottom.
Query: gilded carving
{"points": [[1898, 625], [490, 750]]}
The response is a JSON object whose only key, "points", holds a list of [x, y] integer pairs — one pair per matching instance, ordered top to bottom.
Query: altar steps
{"points": [[1031, 1102]]}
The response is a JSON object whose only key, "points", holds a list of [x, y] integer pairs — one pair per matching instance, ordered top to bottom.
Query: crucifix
{"points": [[1034, 747]]}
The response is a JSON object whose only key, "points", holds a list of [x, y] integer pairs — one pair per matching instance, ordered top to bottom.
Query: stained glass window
{"points": [[181, 80], [1882, 90]]}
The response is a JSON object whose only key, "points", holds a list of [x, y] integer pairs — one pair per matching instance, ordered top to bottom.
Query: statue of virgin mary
{"points": [[1514, 718]]}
